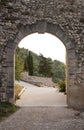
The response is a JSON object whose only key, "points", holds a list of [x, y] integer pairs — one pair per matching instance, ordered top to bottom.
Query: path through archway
{"points": [[42, 27], [44, 95]]}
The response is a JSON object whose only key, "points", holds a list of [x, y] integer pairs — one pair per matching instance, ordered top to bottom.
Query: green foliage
{"points": [[22, 54], [36, 60], [30, 63], [26, 64], [39, 65], [18, 66], [45, 66], [35, 67], [58, 71], [62, 86], [6, 109]]}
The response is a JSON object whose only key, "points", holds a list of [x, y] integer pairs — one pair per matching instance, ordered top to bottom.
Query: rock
{"points": [[39, 81]]}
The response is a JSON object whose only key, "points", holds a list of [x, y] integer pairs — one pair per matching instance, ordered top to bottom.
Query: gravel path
{"points": [[40, 96], [44, 109], [43, 118]]}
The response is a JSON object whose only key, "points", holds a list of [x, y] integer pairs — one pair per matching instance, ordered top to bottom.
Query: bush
{"points": [[62, 86]]}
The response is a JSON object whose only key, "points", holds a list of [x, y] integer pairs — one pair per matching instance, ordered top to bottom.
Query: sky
{"points": [[46, 44]]}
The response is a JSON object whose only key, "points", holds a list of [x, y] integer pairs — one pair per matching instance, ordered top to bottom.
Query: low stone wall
{"points": [[39, 81]]}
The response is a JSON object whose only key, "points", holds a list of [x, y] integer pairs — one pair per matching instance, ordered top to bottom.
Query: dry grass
{"points": [[18, 89]]}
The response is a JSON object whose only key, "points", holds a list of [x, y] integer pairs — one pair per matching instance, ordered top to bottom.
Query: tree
{"points": [[30, 63], [26, 64], [35, 64], [40, 65], [18, 66], [45, 66], [49, 67], [58, 71]]}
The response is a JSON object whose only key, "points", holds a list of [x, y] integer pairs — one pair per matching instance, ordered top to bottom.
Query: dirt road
{"points": [[40, 96], [45, 110]]}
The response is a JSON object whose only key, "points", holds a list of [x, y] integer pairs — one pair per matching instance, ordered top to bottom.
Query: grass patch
{"points": [[18, 89], [6, 109]]}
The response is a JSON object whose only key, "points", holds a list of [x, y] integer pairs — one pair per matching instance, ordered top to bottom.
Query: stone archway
{"points": [[62, 18], [41, 27]]}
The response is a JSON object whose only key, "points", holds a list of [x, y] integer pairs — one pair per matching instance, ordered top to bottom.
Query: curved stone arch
{"points": [[58, 17], [42, 27]]}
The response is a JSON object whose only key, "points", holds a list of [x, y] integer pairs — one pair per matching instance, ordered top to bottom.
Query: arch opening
{"points": [[42, 27], [46, 44], [49, 47]]}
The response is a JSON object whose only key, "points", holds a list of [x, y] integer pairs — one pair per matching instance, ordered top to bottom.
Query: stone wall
{"points": [[62, 18], [38, 81]]}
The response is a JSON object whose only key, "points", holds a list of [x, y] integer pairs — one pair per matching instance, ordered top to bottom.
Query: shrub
{"points": [[62, 86]]}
